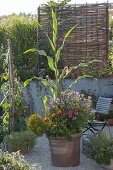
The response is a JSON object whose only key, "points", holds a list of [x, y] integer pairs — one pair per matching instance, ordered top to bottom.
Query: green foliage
{"points": [[54, 4], [23, 34], [53, 61], [19, 104], [37, 125], [19, 140], [102, 148], [14, 161]]}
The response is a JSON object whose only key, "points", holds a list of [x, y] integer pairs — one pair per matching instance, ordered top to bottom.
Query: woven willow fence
{"points": [[88, 41]]}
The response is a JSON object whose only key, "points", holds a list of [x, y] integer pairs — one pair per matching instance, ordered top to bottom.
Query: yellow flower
{"points": [[59, 111], [53, 115]]}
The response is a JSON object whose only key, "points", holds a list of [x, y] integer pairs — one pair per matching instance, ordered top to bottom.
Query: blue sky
{"points": [[30, 6]]}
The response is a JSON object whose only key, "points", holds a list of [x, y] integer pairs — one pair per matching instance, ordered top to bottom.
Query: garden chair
{"points": [[102, 108]]}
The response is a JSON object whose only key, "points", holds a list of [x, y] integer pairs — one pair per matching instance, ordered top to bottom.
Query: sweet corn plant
{"points": [[55, 86]]}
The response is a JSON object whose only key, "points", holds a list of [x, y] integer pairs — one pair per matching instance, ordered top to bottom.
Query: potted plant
{"points": [[66, 112], [65, 118], [23, 141], [102, 150]]}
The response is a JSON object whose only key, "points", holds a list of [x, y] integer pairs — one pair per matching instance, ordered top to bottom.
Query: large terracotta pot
{"points": [[65, 153]]}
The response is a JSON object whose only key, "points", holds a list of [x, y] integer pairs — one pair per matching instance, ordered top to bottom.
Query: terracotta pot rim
{"points": [[77, 135]]}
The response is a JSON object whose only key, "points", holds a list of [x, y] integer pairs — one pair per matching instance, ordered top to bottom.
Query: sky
{"points": [[30, 6]]}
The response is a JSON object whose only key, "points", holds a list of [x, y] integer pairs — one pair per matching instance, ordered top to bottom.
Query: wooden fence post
{"points": [[11, 86]]}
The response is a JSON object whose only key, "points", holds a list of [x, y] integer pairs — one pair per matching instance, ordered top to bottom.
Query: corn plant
{"points": [[53, 61]]}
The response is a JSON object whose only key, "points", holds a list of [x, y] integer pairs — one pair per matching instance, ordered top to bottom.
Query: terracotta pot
{"points": [[110, 122], [65, 153], [109, 167]]}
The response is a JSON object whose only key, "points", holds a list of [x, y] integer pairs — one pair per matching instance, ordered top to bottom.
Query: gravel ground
{"points": [[41, 154]]}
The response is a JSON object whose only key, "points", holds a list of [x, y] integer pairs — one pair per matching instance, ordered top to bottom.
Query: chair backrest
{"points": [[103, 105]]}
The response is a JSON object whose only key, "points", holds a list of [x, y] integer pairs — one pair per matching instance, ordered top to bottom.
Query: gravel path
{"points": [[41, 154]]}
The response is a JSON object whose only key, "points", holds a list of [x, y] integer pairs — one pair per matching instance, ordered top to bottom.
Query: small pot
{"points": [[110, 122]]}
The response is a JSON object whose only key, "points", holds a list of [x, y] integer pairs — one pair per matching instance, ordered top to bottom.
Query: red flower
{"points": [[78, 109], [70, 113], [46, 119]]}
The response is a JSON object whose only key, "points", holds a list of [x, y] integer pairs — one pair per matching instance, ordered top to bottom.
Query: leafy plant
{"points": [[54, 4], [23, 33], [53, 62], [19, 105], [68, 114], [65, 116], [37, 124], [60, 125], [20, 140], [102, 148], [14, 161]]}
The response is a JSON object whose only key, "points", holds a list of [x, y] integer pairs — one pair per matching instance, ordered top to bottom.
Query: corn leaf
{"points": [[37, 23], [54, 27], [69, 32], [51, 43], [32, 50], [42, 52], [58, 53], [51, 63], [45, 82], [45, 101]]}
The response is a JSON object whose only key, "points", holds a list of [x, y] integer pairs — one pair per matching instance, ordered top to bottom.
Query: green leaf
{"points": [[37, 23], [54, 27], [69, 32], [51, 43], [32, 50], [42, 52], [58, 53], [95, 61], [51, 63], [84, 76], [6, 77], [27, 82], [45, 82], [52, 84], [45, 101], [5, 105]]}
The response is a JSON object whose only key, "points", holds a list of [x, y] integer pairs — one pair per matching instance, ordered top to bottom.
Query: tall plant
{"points": [[23, 33], [53, 61]]}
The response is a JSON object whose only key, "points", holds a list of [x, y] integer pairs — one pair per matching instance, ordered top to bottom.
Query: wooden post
{"points": [[11, 84]]}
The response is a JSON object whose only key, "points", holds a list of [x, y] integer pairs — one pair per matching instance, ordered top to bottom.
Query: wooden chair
{"points": [[102, 108]]}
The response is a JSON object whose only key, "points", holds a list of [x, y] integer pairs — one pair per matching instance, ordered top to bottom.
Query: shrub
{"points": [[23, 34], [37, 124], [19, 140], [102, 148], [14, 161]]}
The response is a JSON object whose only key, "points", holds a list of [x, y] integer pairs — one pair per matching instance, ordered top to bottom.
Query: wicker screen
{"points": [[88, 41]]}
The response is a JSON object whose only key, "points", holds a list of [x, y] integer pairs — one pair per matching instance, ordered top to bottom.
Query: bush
{"points": [[23, 34], [37, 124], [20, 140], [102, 148], [14, 161]]}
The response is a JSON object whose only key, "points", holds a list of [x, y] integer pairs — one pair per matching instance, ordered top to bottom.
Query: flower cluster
{"points": [[68, 114]]}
